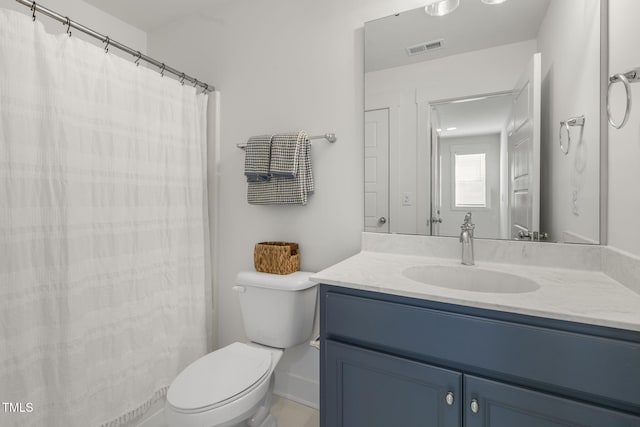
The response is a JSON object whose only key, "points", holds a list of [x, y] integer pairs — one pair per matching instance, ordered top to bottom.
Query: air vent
{"points": [[425, 47]]}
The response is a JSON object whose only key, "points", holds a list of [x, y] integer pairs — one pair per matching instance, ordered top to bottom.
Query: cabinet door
{"points": [[365, 388], [502, 405]]}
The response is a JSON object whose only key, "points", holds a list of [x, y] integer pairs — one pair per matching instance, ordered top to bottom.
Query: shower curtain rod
{"points": [[110, 42]]}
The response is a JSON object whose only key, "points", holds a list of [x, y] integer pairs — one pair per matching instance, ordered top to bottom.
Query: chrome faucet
{"points": [[466, 238]]}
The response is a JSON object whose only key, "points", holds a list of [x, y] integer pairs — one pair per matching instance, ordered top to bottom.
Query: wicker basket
{"points": [[276, 257]]}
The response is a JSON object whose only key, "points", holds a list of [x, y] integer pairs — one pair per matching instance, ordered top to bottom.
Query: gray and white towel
{"points": [[286, 152], [257, 158], [293, 189]]}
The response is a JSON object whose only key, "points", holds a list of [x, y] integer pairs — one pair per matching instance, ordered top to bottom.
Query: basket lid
{"points": [[296, 281]]}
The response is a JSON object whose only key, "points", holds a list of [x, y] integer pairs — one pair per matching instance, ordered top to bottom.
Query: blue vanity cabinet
{"points": [[388, 360], [373, 389], [504, 405]]}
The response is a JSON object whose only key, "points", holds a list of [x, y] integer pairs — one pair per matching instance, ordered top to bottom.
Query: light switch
{"points": [[406, 199]]}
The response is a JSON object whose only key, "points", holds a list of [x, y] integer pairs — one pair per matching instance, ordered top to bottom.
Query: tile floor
{"points": [[287, 412], [293, 414]]}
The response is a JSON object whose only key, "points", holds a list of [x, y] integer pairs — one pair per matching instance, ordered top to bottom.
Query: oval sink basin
{"points": [[470, 278]]}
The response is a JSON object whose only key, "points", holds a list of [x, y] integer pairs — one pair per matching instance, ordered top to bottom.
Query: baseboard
{"points": [[298, 389]]}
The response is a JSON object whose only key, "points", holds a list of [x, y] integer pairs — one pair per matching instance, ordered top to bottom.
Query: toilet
{"points": [[233, 386]]}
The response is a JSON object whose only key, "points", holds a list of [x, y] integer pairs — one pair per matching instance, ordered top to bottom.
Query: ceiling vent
{"points": [[425, 47]]}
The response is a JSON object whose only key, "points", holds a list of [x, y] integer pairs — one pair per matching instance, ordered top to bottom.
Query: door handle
{"points": [[382, 220], [438, 220]]}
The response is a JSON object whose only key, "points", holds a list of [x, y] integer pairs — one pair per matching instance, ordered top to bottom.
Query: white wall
{"points": [[89, 16], [569, 40], [282, 65], [407, 91], [624, 144]]}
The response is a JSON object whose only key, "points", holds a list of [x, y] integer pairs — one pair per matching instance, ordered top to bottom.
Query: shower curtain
{"points": [[103, 230]]}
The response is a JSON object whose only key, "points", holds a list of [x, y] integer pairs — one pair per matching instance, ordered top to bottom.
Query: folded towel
{"points": [[285, 153], [257, 158], [306, 166], [283, 190]]}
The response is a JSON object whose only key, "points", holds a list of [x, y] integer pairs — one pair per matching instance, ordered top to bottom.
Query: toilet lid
{"points": [[219, 376]]}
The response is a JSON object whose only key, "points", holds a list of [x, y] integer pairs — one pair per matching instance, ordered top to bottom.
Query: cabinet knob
{"points": [[449, 398], [475, 407]]}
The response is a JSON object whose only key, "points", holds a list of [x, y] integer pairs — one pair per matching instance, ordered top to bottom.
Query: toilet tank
{"points": [[277, 310]]}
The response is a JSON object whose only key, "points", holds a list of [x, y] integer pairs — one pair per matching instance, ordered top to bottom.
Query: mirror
{"points": [[491, 109]]}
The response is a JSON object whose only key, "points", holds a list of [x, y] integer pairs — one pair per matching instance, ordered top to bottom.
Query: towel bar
{"points": [[331, 137]]}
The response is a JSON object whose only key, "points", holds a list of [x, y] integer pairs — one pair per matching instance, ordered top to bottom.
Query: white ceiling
{"points": [[149, 14], [474, 25], [473, 117]]}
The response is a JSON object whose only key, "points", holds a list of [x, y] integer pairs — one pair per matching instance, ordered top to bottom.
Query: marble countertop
{"points": [[575, 295]]}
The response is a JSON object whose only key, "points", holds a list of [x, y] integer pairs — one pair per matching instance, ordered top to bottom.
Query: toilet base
{"points": [[258, 416], [263, 417], [270, 421]]}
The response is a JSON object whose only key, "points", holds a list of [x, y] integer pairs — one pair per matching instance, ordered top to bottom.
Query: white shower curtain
{"points": [[102, 230]]}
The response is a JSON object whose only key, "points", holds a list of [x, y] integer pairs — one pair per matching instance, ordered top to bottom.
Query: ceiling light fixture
{"points": [[441, 7], [444, 7]]}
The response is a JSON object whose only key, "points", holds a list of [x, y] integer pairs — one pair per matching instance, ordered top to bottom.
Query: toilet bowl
{"points": [[233, 386]]}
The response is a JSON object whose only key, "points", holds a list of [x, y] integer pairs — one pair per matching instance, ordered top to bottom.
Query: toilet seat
{"points": [[219, 377]]}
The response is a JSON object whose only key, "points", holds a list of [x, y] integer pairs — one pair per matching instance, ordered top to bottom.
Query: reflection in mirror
{"points": [[504, 76], [470, 167]]}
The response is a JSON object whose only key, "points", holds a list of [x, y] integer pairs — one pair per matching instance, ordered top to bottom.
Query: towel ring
{"points": [[632, 76], [627, 89], [565, 124]]}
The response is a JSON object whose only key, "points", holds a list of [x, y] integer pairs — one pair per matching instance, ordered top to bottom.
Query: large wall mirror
{"points": [[490, 109]]}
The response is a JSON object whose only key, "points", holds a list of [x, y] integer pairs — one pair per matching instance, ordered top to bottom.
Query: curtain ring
{"points": [[33, 11], [68, 24], [107, 41], [138, 57], [162, 67], [182, 76], [195, 82], [206, 86], [627, 88], [565, 124]]}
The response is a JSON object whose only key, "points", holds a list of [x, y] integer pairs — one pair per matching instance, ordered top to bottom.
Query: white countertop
{"points": [[582, 296]]}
